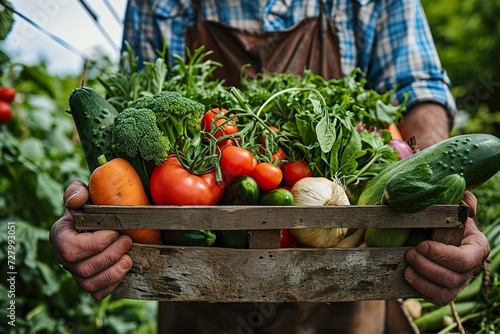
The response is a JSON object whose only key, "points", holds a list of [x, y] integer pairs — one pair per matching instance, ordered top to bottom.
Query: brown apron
{"points": [[312, 44]]}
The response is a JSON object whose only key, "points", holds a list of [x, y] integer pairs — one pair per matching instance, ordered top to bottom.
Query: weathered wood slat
{"points": [[94, 217], [169, 273], [266, 273]]}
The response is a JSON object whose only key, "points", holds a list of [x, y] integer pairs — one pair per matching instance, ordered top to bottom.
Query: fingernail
{"points": [[68, 198], [423, 247], [125, 264], [409, 275]]}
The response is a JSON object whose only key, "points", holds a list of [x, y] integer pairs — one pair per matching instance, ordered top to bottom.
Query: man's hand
{"points": [[96, 260], [438, 271]]}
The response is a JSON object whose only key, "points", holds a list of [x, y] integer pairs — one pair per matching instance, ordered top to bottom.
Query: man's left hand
{"points": [[439, 272]]}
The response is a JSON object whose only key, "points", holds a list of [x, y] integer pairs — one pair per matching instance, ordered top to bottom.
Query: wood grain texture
{"points": [[95, 217], [170, 273], [266, 273]]}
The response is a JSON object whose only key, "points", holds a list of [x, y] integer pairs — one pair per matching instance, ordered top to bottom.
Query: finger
{"points": [[76, 194], [471, 202], [72, 246], [471, 253], [102, 261], [435, 273], [107, 278], [429, 290], [101, 294]]}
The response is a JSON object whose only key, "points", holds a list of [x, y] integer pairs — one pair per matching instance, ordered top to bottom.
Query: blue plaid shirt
{"points": [[388, 39]]}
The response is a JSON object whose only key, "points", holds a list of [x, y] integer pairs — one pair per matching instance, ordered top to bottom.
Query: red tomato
{"points": [[7, 94], [5, 112], [213, 119], [224, 143], [279, 155], [236, 161], [255, 162], [294, 171], [267, 175], [172, 184], [286, 239]]}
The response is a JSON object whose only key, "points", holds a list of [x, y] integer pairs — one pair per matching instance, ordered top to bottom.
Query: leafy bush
{"points": [[39, 154]]}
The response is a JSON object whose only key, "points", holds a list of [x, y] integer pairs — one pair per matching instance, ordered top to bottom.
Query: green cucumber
{"points": [[93, 116], [475, 156], [419, 181], [455, 188], [242, 191], [278, 196], [188, 237], [386, 237]]}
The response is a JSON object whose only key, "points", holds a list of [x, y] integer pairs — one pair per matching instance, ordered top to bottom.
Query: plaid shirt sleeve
{"points": [[404, 56]]}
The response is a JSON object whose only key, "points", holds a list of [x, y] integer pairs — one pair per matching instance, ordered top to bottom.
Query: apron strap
{"points": [[198, 11]]}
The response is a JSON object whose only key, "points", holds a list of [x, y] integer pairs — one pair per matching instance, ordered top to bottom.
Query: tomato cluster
{"points": [[7, 96], [174, 183]]}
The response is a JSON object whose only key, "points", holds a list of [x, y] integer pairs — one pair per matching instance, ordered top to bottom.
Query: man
{"points": [[389, 40]]}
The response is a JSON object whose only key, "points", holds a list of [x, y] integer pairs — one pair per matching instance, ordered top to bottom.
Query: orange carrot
{"points": [[393, 129], [116, 182]]}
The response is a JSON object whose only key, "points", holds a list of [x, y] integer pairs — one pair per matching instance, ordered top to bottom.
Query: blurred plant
{"points": [[466, 36], [39, 154]]}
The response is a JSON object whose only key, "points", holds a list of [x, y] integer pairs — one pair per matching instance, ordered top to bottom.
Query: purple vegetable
{"points": [[404, 150]]}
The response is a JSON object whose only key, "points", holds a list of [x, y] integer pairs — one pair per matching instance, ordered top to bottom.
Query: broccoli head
{"points": [[175, 114], [136, 134]]}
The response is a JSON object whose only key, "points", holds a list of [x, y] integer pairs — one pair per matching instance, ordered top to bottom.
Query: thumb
{"points": [[76, 194], [471, 202]]}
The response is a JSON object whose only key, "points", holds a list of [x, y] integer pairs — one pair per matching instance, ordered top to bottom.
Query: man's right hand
{"points": [[97, 260]]}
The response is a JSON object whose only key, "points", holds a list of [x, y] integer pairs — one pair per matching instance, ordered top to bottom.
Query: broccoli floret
{"points": [[176, 115], [135, 134]]}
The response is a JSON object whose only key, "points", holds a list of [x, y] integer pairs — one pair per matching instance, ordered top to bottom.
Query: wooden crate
{"points": [[265, 273]]}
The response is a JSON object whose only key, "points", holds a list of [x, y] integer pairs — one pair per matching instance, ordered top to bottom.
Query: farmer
{"points": [[390, 41]]}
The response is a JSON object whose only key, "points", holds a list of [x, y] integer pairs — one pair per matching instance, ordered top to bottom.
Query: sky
{"points": [[69, 21]]}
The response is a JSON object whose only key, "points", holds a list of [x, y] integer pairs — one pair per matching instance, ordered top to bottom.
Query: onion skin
{"points": [[404, 150], [319, 191]]}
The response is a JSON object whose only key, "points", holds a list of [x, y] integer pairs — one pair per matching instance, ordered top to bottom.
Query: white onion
{"points": [[319, 191]]}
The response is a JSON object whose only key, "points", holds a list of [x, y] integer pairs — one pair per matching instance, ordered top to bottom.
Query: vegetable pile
{"points": [[281, 139]]}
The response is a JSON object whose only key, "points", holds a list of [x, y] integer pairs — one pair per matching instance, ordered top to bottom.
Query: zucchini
{"points": [[94, 117], [474, 156], [432, 176], [242, 191], [453, 194], [278, 196], [188, 237]]}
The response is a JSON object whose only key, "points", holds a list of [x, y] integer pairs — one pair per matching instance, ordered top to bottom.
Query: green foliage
{"points": [[6, 20], [466, 36], [192, 78], [39, 154], [488, 195]]}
